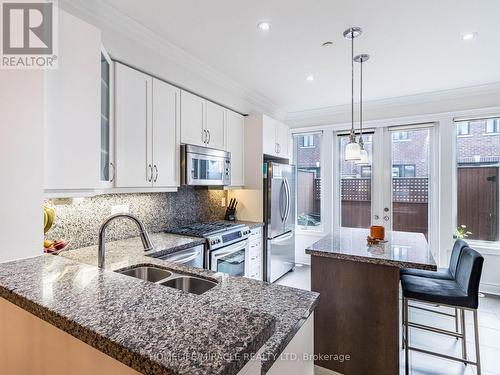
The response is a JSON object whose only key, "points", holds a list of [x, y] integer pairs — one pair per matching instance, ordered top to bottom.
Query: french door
{"points": [[394, 188]]}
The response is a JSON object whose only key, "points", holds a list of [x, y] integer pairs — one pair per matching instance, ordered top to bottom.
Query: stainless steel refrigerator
{"points": [[279, 219]]}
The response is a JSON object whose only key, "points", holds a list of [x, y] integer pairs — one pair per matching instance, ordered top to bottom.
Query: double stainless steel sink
{"points": [[154, 274]]}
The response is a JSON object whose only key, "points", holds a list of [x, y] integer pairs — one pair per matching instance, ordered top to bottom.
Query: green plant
{"points": [[461, 232]]}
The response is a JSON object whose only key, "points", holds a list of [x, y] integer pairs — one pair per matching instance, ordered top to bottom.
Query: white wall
{"points": [[21, 163]]}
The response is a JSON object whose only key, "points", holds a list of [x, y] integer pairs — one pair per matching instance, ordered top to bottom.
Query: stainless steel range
{"points": [[226, 247]]}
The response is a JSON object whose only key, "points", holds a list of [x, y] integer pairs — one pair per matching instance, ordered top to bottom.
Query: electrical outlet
{"points": [[223, 202], [119, 209]]}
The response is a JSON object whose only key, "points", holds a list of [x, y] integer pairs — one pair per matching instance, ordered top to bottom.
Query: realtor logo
{"points": [[29, 35]]}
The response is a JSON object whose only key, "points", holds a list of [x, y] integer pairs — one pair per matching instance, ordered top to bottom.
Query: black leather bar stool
{"points": [[441, 273], [462, 293]]}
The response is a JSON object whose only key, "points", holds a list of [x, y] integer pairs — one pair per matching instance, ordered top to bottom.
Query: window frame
{"points": [[495, 124], [459, 133], [400, 139], [296, 145], [481, 244]]}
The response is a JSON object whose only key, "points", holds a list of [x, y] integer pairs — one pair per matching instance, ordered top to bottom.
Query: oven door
{"points": [[207, 170], [230, 259]]}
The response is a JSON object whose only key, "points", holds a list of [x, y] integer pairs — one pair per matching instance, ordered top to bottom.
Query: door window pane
{"points": [[308, 162], [477, 181], [410, 182], [355, 187]]}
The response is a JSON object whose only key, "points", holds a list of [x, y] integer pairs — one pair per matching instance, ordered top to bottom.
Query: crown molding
{"points": [[105, 16], [320, 115]]}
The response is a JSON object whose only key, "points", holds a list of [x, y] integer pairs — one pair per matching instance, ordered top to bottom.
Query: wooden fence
{"points": [[477, 198], [410, 203]]}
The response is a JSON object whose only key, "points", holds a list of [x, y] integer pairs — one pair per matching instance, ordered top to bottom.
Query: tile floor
{"points": [[422, 364]]}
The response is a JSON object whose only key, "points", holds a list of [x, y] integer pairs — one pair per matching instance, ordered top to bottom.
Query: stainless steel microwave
{"points": [[201, 166]]}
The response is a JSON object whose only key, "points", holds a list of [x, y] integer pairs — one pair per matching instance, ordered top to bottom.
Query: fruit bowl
{"points": [[56, 247]]}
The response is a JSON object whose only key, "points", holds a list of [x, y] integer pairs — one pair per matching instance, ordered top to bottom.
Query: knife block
{"points": [[230, 214]]}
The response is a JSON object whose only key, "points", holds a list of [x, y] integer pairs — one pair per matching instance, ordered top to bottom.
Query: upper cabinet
{"points": [[193, 119], [202, 122], [215, 125], [147, 130], [166, 134], [72, 136], [275, 137], [236, 146], [107, 165]]}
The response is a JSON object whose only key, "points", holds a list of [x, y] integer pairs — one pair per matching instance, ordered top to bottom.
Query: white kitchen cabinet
{"points": [[192, 119], [203, 123], [215, 125], [133, 127], [147, 130], [166, 134], [268, 135], [275, 137], [282, 137], [72, 140], [236, 146], [107, 165], [255, 256]]}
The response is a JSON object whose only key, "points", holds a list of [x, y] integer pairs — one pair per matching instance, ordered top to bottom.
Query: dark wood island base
{"points": [[356, 324]]}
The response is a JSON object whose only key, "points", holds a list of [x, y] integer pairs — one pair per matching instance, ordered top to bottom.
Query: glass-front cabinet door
{"points": [[107, 166]]}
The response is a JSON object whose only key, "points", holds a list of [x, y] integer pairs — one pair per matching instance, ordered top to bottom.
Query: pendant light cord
{"points": [[352, 86], [361, 104]]}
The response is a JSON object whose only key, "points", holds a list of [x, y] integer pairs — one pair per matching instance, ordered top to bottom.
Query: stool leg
{"points": [[456, 322], [476, 333], [406, 337], [464, 341]]}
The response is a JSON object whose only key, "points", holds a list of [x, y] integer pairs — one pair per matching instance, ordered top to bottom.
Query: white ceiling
{"points": [[415, 46]]}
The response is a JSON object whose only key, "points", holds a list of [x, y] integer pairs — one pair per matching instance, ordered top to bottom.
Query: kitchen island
{"points": [[238, 326], [356, 326]]}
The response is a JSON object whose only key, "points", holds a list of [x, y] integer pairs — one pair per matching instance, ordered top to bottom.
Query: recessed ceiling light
{"points": [[264, 25], [469, 36], [327, 44], [310, 77]]}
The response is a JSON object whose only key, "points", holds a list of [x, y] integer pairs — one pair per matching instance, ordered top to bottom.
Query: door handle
{"points": [[114, 172], [156, 173], [150, 177], [287, 191], [282, 210], [282, 239]]}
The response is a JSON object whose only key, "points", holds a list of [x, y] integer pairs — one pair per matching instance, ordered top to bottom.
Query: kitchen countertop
{"points": [[250, 224], [402, 249], [150, 327]]}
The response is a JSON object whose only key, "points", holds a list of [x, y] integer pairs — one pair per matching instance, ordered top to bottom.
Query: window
{"points": [[493, 126], [463, 128], [400, 136], [308, 141], [478, 160], [308, 161], [403, 170], [366, 171]]}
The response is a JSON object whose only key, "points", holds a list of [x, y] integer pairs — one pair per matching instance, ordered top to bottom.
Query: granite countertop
{"points": [[250, 224], [402, 249], [152, 328]]}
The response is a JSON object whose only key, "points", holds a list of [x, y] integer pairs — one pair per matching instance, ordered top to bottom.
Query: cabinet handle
{"points": [[204, 136], [209, 136], [156, 173], [113, 175], [149, 177]]}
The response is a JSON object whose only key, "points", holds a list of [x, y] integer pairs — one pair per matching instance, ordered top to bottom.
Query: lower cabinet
{"points": [[255, 256]]}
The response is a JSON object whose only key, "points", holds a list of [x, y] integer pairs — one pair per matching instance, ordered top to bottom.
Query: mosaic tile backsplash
{"points": [[79, 221]]}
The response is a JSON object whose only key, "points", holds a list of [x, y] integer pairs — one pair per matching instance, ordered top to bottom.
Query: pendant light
{"points": [[352, 149], [362, 153]]}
